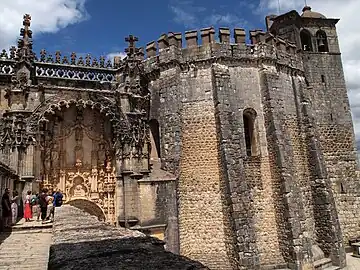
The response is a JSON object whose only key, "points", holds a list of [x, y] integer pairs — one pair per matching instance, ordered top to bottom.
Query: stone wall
{"points": [[247, 95], [283, 134], [336, 135], [201, 220], [80, 241]]}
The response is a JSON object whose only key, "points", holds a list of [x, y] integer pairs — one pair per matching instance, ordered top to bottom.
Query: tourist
{"points": [[58, 197], [43, 204], [36, 206], [15, 207], [27, 207], [6, 208], [50, 208]]}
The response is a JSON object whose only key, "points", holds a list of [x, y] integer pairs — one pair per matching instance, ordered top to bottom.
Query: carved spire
{"points": [[24, 51], [133, 90], [13, 125]]}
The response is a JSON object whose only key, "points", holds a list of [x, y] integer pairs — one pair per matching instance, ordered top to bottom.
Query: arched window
{"points": [[321, 41], [306, 42], [249, 117], [155, 131]]}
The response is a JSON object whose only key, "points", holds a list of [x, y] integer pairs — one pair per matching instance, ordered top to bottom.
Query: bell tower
{"points": [[326, 108]]}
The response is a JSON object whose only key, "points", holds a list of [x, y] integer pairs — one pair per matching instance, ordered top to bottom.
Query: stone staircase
{"points": [[25, 246], [320, 262], [325, 264]]}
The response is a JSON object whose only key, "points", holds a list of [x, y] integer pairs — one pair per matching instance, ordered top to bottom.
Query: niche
{"points": [[306, 41], [321, 41], [249, 117], [155, 132]]}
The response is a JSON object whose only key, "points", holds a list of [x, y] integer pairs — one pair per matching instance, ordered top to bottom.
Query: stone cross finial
{"points": [[27, 21], [26, 32], [131, 50]]}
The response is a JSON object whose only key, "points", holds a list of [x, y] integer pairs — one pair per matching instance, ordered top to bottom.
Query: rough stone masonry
{"points": [[240, 156]]}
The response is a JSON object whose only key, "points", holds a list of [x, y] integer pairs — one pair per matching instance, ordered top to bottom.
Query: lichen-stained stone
{"points": [[81, 241]]}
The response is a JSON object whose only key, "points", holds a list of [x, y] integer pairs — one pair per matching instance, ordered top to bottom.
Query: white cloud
{"points": [[184, 14], [48, 16], [227, 20], [349, 39], [113, 54]]}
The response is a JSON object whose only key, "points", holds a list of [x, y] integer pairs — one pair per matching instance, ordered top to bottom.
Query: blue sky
{"points": [[107, 22], [99, 27]]}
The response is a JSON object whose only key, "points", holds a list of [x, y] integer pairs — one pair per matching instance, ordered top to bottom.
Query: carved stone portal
{"points": [[77, 158]]}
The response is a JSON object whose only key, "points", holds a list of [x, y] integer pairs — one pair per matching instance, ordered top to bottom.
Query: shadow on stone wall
{"points": [[81, 241]]}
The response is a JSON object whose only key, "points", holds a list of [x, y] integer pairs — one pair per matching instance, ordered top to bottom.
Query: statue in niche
{"points": [[78, 134], [79, 152], [55, 154], [94, 154], [101, 154], [108, 161], [101, 181], [94, 184], [101, 186], [79, 191]]}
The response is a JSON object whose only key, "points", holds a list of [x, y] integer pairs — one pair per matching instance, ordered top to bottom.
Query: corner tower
{"points": [[334, 148]]}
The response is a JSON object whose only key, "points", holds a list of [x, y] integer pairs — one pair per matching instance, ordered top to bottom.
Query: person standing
{"points": [[58, 198], [43, 204], [15, 207], [27, 207], [6, 208], [50, 208], [36, 210]]}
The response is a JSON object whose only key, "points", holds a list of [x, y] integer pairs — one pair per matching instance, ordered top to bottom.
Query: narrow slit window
{"points": [[322, 78], [155, 131], [249, 132], [342, 189]]}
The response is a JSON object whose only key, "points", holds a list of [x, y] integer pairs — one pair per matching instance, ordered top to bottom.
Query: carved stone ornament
{"points": [[104, 105], [13, 132]]}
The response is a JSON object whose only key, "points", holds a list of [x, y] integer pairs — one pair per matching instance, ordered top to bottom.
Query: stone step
{"points": [[32, 226], [26, 247], [322, 264], [332, 268]]}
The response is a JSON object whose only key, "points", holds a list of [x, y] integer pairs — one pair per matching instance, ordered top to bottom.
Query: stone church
{"points": [[238, 151]]}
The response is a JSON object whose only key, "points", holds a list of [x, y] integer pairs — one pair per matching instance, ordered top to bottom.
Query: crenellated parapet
{"points": [[209, 45]]}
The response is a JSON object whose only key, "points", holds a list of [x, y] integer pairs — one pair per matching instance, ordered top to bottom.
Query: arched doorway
{"points": [[75, 154], [89, 207]]}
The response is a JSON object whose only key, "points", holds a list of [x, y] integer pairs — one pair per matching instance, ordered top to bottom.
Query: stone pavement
{"points": [[26, 246], [352, 262]]}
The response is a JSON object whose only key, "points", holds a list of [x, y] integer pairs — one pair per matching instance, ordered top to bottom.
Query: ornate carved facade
{"points": [[86, 133]]}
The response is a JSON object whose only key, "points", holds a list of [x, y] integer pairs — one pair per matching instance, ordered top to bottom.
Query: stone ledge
{"points": [[81, 241]]}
